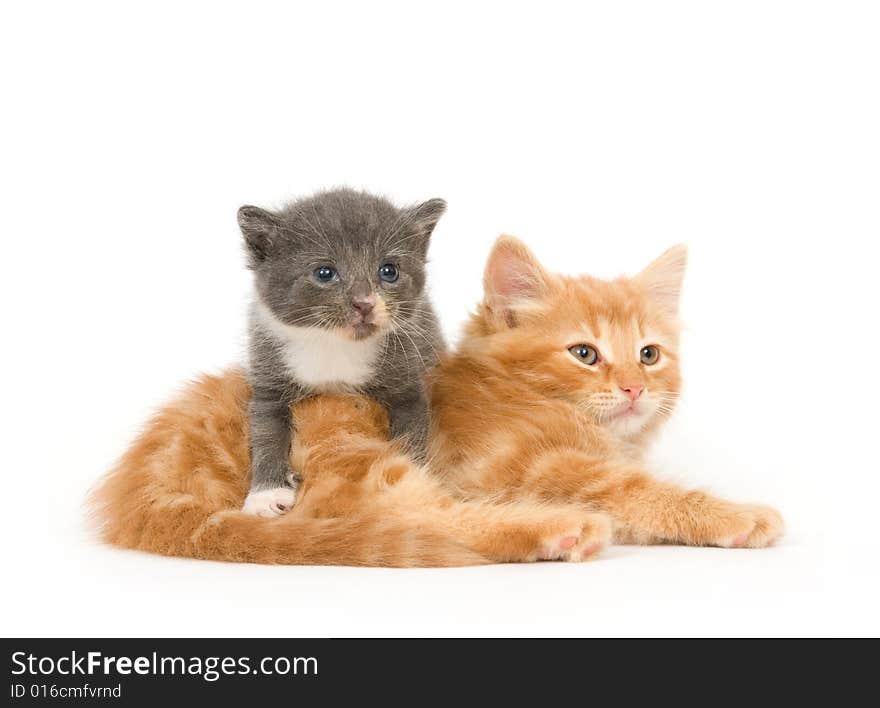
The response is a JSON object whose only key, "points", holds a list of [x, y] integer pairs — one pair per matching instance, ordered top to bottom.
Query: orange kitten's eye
{"points": [[584, 353], [649, 355]]}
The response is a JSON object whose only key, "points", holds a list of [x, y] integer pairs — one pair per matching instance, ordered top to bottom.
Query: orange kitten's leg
{"points": [[647, 510], [520, 531], [524, 532]]}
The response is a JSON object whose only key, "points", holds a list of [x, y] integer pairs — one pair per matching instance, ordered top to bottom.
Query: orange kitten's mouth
{"points": [[624, 410], [629, 410], [629, 414], [623, 416]]}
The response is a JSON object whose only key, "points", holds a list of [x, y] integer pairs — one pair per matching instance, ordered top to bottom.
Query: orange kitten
{"points": [[557, 386], [539, 418], [179, 489]]}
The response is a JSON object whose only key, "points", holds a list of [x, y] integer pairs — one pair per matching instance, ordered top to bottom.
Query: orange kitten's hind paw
{"points": [[760, 526], [579, 543]]}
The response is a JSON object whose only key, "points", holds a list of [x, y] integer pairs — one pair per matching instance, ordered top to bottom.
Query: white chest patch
{"points": [[323, 359]]}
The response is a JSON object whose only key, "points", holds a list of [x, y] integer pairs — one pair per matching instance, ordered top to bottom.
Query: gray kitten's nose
{"points": [[364, 305]]}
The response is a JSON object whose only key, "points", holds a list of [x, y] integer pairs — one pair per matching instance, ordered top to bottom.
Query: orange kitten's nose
{"points": [[633, 391]]}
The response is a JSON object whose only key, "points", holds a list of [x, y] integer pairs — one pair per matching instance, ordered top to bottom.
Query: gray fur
{"points": [[355, 233]]}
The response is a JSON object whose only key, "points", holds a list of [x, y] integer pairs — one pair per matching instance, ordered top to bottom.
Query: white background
{"points": [[601, 133]]}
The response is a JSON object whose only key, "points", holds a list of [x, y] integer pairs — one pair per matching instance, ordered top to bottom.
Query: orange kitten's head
{"points": [[608, 347]]}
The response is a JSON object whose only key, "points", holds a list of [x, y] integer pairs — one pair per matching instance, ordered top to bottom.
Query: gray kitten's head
{"points": [[343, 260]]}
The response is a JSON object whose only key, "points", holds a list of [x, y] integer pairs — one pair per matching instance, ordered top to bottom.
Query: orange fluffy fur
{"points": [[529, 459]]}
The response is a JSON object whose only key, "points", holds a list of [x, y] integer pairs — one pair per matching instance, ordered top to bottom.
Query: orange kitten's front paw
{"points": [[758, 526], [769, 527], [579, 543]]}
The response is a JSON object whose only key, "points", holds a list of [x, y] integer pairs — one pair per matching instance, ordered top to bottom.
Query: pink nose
{"points": [[364, 305], [633, 391]]}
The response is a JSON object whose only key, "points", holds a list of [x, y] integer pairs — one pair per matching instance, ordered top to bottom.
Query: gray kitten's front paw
{"points": [[270, 503]]}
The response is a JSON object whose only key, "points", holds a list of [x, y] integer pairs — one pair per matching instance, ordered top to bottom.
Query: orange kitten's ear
{"points": [[513, 276], [663, 277]]}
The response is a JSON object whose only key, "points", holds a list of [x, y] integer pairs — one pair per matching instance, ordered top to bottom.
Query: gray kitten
{"points": [[340, 303]]}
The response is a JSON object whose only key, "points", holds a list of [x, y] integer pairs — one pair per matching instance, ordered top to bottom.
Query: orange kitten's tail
{"points": [[180, 528], [344, 541]]}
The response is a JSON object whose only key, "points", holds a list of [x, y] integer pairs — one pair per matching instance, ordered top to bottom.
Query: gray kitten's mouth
{"points": [[361, 330]]}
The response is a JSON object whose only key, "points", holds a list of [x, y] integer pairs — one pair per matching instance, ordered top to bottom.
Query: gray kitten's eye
{"points": [[388, 272], [325, 274], [584, 353], [649, 355]]}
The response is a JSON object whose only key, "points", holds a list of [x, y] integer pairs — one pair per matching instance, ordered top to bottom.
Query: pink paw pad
{"points": [[740, 540], [568, 542], [591, 549]]}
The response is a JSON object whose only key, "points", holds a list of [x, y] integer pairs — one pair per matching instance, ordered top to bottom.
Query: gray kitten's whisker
{"points": [[423, 334], [428, 343], [415, 348]]}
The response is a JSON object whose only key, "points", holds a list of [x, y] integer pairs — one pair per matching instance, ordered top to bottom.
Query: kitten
{"points": [[339, 304], [555, 390], [539, 420], [179, 488]]}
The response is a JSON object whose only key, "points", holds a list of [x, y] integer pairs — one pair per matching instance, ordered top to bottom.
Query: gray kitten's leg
{"points": [[410, 422], [273, 483]]}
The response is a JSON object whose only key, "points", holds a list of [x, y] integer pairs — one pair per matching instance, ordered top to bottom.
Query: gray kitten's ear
{"points": [[428, 213], [423, 218], [259, 228]]}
